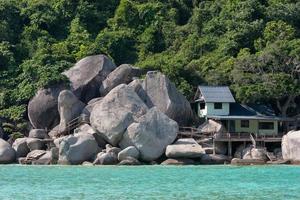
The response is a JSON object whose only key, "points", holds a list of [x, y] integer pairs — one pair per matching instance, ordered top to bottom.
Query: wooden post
{"points": [[214, 147], [229, 149]]}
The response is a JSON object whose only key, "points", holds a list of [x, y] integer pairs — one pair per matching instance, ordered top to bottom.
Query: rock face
{"points": [[87, 75], [121, 75], [137, 86], [164, 95], [91, 104], [42, 108], [69, 108], [118, 109], [87, 129], [38, 133], [151, 134], [291, 146], [21, 148], [184, 148], [77, 149], [128, 152], [7, 153], [179, 161]]}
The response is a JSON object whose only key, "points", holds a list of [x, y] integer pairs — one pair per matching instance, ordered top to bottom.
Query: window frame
{"points": [[219, 107], [245, 123], [262, 125]]}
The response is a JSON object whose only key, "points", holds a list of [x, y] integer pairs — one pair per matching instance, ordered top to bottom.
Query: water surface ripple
{"points": [[149, 182]]}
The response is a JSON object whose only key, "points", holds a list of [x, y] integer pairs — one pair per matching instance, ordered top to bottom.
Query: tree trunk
{"points": [[283, 108]]}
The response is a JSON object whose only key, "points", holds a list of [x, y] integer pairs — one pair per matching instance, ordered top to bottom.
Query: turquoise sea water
{"points": [[149, 182]]}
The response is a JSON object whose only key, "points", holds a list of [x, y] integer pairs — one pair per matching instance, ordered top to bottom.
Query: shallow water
{"points": [[149, 182]]}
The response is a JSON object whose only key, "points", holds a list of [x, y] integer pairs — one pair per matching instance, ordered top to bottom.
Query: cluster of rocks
{"points": [[120, 119], [127, 120]]}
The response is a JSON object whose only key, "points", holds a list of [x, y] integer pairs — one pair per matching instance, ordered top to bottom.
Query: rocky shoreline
{"points": [[124, 116]]}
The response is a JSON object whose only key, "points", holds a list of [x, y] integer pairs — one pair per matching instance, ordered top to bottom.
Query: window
{"points": [[202, 106], [218, 106], [245, 123], [266, 125]]}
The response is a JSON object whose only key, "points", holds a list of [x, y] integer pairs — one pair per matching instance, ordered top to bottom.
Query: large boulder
{"points": [[122, 74], [87, 75], [164, 95], [42, 108], [69, 108], [118, 109], [38, 133], [151, 134], [291, 146], [21, 148], [185, 148], [75, 149], [130, 151], [7, 153]]}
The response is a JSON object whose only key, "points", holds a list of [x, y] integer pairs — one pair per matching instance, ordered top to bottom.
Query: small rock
{"points": [[38, 133], [35, 144], [21, 148], [182, 149], [130, 151], [35, 154], [106, 159], [211, 159], [130, 161], [178, 161], [86, 163]]}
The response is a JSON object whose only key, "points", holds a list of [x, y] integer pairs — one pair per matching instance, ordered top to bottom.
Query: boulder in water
{"points": [[151, 134], [291, 146], [184, 148], [75, 149], [130, 151], [7, 153], [106, 159], [213, 159], [178, 161]]}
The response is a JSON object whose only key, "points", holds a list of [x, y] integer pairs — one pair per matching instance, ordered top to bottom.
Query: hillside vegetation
{"points": [[251, 45]]}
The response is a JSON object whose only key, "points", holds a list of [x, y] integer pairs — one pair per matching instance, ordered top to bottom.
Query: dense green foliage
{"points": [[251, 45]]}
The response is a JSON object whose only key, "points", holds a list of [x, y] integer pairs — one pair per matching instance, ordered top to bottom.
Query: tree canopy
{"points": [[251, 45]]}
